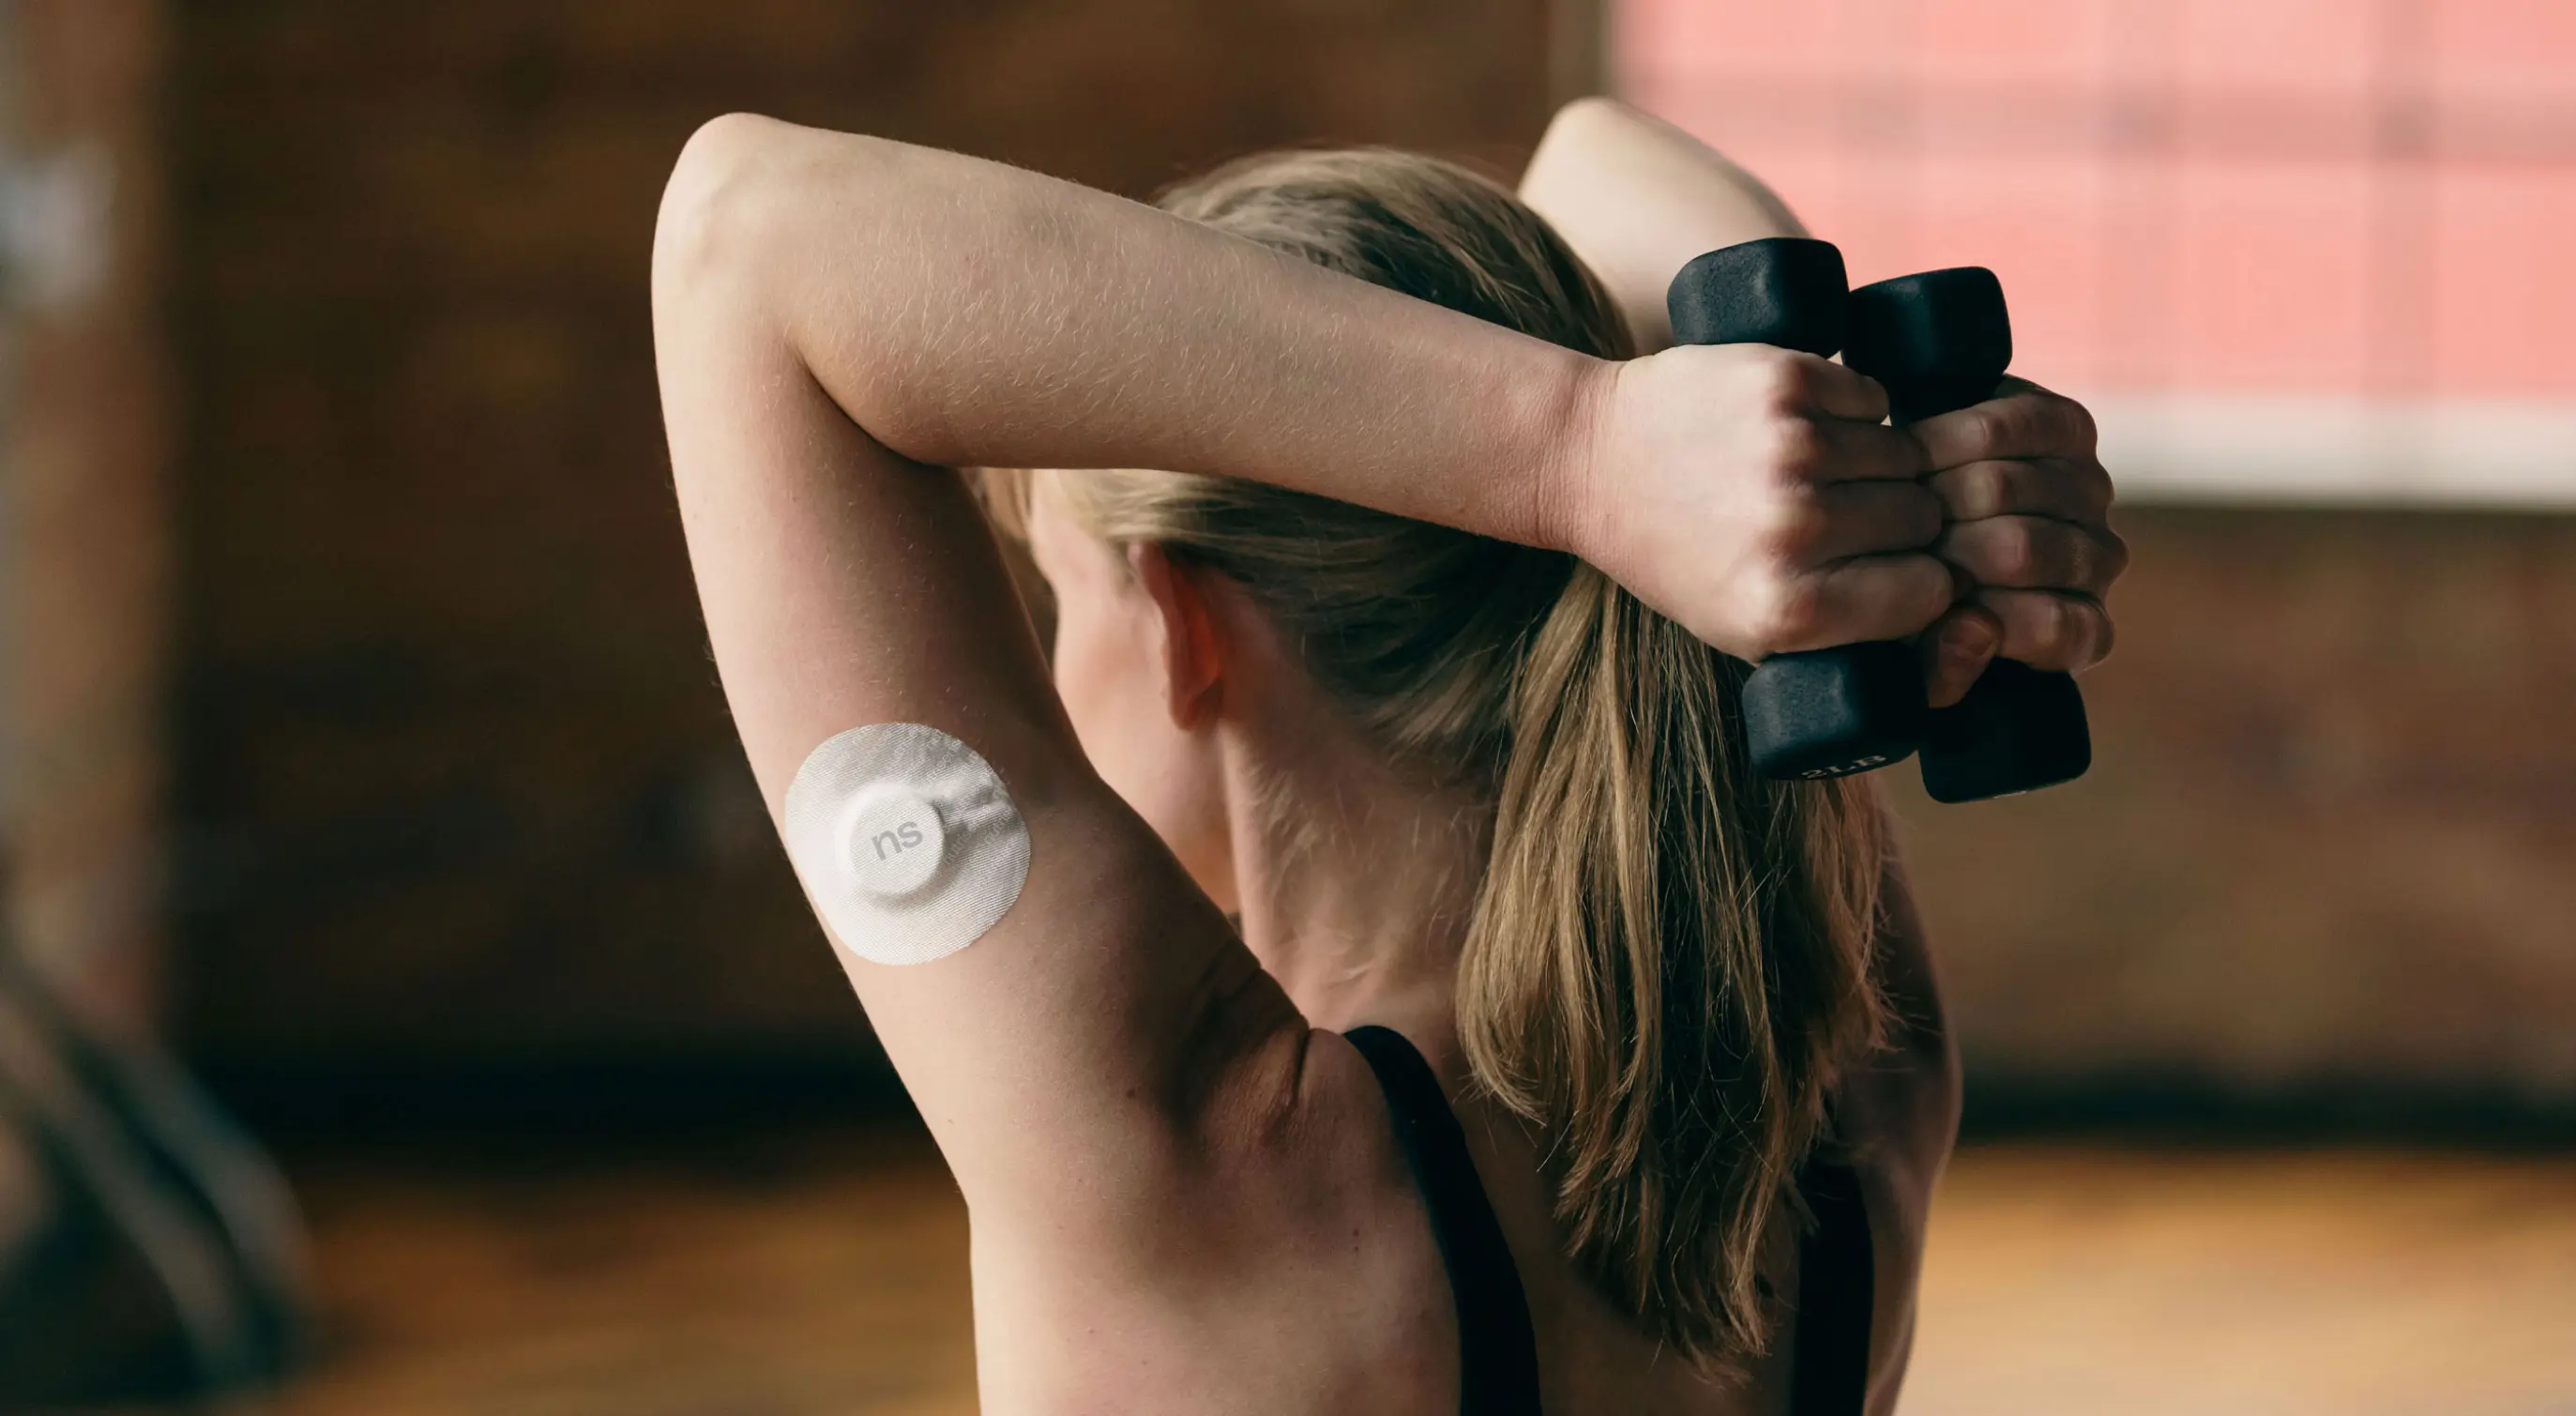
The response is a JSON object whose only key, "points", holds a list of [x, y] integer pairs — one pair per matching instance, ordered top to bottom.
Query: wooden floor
{"points": [[779, 1278], [2117, 1282]]}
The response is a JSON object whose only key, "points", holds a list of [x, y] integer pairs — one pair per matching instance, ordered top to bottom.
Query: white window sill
{"points": [[2304, 450]]}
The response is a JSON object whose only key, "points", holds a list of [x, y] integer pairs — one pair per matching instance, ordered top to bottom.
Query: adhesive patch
{"points": [[906, 841]]}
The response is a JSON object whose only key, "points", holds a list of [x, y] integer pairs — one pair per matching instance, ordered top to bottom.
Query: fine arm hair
{"points": [[1670, 958]]}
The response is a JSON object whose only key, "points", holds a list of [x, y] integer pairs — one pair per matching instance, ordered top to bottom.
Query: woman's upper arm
{"points": [[1637, 198], [844, 585]]}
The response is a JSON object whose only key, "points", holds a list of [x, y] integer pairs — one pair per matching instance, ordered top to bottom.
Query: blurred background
{"points": [[360, 755]]}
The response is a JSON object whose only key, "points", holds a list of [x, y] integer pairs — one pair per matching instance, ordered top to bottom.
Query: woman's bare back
{"points": [[1317, 1286]]}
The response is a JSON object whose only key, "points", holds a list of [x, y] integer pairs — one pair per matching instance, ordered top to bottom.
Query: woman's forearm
{"points": [[1637, 198], [966, 313]]}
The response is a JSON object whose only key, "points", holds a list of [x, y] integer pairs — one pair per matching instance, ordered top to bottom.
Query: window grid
{"points": [[2351, 198]]}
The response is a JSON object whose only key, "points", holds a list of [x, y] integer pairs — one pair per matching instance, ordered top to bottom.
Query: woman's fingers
{"points": [[1823, 386], [2024, 420], [1847, 450], [2069, 489], [2026, 500], [1871, 518], [2035, 552], [1863, 599], [2047, 629], [1956, 649]]}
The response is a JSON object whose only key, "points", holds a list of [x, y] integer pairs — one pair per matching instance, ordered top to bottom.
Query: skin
{"points": [[1184, 1189]]}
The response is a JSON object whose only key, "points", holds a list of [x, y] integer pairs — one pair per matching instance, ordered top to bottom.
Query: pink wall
{"points": [[2311, 196]]}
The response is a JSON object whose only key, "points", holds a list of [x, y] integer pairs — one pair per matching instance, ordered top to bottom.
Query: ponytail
{"points": [[1667, 964]]}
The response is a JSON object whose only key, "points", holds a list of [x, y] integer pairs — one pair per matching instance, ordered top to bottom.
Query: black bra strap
{"points": [[1837, 1288], [1497, 1353]]}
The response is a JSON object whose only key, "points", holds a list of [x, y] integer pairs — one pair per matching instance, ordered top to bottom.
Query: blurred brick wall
{"points": [[84, 572], [456, 776], [2328, 846]]}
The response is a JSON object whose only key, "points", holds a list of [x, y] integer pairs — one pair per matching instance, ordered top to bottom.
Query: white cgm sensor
{"points": [[906, 841]]}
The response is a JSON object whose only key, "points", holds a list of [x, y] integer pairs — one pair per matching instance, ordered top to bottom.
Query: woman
{"points": [[1390, 724]]}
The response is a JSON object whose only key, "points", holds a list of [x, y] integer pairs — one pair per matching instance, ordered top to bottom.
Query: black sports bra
{"points": [[1497, 1352]]}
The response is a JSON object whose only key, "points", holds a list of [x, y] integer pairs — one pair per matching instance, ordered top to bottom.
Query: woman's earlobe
{"points": [[1193, 657]]}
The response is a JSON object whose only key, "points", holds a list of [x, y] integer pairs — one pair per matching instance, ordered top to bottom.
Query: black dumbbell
{"points": [[1938, 341], [1820, 712]]}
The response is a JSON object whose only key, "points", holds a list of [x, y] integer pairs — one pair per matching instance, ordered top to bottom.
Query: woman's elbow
{"points": [[719, 204]]}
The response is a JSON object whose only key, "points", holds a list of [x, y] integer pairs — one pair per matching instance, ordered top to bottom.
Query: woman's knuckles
{"points": [[1780, 380], [2026, 423], [2083, 437], [1792, 451], [2070, 489], [1980, 490], [1794, 524], [2001, 550], [2036, 553], [1771, 613]]}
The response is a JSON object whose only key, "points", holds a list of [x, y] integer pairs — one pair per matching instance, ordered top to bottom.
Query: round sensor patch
{"points": [[906, 841]]}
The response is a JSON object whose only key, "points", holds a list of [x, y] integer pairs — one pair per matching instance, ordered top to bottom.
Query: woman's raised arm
{"points": [[967, 313], [839, 320]]}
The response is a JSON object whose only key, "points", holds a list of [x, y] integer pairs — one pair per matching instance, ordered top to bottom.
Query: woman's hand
{"points": [[1751, 494], [1754, 495], [2028, 503]]}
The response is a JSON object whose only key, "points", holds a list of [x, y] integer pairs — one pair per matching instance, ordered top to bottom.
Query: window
{"points": [[2291, 248]]}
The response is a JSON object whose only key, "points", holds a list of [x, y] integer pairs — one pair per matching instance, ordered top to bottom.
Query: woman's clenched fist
{"points": [[1756, 496], [2028, 506]]}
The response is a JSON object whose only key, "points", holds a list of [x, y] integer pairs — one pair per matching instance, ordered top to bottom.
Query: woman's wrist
{"points": [[1566, 502]]}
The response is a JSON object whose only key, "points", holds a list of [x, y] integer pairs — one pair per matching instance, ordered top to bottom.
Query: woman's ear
{"points": [[1193, 651]]}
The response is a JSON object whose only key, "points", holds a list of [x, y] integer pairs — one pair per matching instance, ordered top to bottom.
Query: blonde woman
{"points": [[1413, 1003]]}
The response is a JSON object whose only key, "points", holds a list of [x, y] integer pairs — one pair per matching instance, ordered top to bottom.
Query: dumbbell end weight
{"points": [[1787, 291], [1939, 340], [1833, 712], [2018, 730]]}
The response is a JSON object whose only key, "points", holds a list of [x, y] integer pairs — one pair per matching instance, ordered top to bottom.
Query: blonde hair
{"points": [[1669, 961]]}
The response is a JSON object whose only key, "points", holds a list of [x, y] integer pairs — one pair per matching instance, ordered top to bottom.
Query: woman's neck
{"points": [[1355, 886]]}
